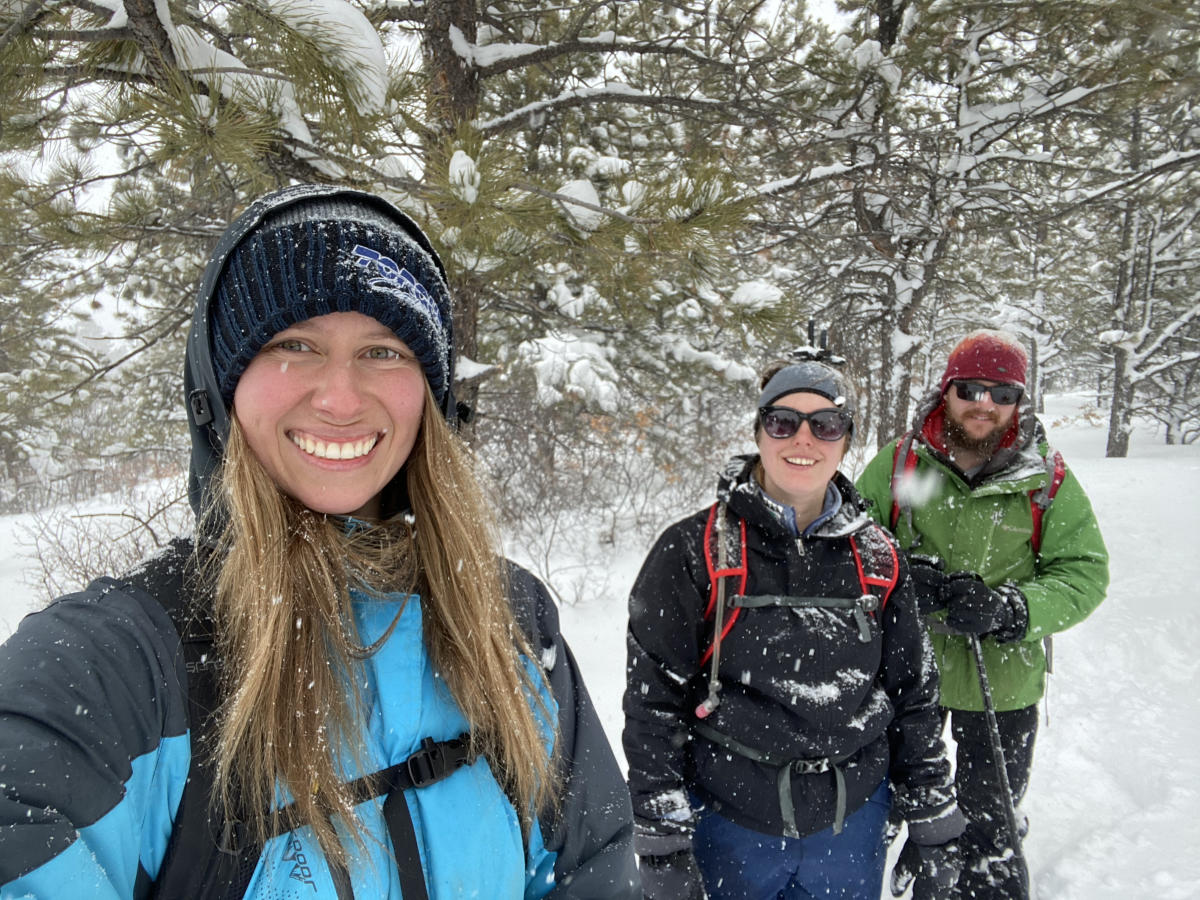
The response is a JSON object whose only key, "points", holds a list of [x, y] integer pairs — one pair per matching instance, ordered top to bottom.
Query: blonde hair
{"points": [[291, 654]]}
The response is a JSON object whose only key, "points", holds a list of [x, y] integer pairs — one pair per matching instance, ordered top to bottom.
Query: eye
{"points": [[294, 345], [386, 353]]}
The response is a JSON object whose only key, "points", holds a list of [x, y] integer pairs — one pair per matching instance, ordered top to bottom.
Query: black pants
{"points": [[990, 868]]}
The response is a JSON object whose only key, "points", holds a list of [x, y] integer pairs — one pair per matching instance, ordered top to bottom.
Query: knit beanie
{"points": [[324, 255], [994, 355], [811, 376]]}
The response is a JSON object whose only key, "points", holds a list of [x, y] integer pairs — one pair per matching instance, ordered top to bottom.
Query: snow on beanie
{"points": [[325, 255], [994, 355]]}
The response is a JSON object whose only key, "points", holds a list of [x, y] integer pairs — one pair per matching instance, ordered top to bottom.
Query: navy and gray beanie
{"points": [[325, 255]]}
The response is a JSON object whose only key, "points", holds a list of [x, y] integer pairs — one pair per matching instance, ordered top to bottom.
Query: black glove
{"points": [[929, 581], [974, 608], [937, 864], [674, 876]]}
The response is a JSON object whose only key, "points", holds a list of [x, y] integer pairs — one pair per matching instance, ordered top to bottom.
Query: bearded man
{"points": [[1005, 551]]}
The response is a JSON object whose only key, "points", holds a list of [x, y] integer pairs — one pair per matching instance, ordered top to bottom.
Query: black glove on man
{"points": [[929, 580], [974, 608], [930, 852]]}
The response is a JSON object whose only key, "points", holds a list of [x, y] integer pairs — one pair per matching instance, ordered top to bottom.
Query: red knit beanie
{"points": [[994, 355]]}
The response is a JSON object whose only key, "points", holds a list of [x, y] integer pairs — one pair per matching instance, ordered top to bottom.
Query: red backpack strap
{"points": [[904, 460], [1040, 499], [877, 561], [734, 567]]}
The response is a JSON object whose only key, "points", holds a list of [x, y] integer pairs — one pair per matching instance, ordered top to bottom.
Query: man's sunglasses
{"points": [[1002, 394], [826, 424]]}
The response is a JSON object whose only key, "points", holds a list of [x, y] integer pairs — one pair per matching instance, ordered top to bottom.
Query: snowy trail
{"points": [[1117, 775]]}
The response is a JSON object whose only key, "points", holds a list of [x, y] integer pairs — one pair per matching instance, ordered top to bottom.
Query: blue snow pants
{"points": [[740, 864]]}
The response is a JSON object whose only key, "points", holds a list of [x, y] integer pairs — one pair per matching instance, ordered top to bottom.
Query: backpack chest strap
{"points": [[860, 606], [435, 761]]}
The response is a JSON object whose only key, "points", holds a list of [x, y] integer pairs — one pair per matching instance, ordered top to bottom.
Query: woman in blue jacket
{"points": [[379, 706]]}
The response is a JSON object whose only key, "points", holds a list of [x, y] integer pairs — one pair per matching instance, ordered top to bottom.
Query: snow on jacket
{"points": [[984, 524], [796, 683], [95, 749]]}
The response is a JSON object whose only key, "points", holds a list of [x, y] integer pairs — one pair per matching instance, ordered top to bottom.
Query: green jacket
{"points": [[985, 526]]}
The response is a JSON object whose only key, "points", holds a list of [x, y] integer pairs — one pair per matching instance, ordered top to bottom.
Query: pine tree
{"points": [[576, 166]]}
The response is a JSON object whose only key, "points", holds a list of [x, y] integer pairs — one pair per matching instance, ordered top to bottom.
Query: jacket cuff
{"points": [[663, 823], [944, 827], [652, 843]]}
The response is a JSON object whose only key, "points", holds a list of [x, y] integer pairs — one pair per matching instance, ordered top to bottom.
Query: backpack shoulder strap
{"points": [[904, 460], [1041, 498], [719, 542], [724, 557], [878, 562], [733, 563], [203, 858]]}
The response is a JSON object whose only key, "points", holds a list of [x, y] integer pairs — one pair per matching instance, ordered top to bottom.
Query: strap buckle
{"points": [[433, 761], [811, 766], [233, 838]]}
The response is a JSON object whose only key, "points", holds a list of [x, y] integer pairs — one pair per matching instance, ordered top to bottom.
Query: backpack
{"points": [[904, 460], [875, 559], [878, 567], [223, 872]]}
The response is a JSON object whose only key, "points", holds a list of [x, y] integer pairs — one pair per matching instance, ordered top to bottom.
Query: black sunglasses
{"points": [[1002, 394], [826, 424]]}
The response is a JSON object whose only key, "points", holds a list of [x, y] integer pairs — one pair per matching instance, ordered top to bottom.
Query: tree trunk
{"points": [[151, 38], [453, 82], [453, 100], [466, 300], [1033, 381], [894, 383], [1120, 415]]}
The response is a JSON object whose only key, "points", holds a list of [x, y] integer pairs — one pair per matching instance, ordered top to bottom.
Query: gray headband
{"points": [[810, 376]]}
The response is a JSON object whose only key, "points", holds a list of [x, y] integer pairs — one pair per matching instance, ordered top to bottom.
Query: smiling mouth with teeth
{"points": [[334, 449], [801, 461]]}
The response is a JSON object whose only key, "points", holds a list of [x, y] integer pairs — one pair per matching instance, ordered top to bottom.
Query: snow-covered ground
{"points": [[1116, 785]]}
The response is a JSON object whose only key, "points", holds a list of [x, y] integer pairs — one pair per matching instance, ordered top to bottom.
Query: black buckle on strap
{"points": [[435, 761]]}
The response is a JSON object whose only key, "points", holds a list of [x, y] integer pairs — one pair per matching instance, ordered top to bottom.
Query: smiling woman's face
{"points": [[331, 408], [797, 469]]}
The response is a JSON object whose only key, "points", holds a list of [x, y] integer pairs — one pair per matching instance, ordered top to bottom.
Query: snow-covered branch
{"points": [[496, 58], [609, 93]]}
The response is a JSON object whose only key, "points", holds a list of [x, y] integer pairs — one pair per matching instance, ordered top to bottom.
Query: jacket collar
{"points": [[739, 487]]}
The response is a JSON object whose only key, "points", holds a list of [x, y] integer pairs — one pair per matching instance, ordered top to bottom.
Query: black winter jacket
{"points": [[798, 684]]}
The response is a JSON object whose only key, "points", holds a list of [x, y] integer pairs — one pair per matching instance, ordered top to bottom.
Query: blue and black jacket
{"points": [[803, 684], [95, 748]]}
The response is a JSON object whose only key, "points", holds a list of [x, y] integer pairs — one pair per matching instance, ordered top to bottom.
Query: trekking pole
{"points": [[989, 708]]}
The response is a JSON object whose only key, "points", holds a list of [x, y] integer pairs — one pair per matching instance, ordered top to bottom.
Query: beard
{"points": [[957, 437]]}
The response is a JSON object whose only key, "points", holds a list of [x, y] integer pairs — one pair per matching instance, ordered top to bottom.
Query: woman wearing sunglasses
{"points": [[781, 695]]}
